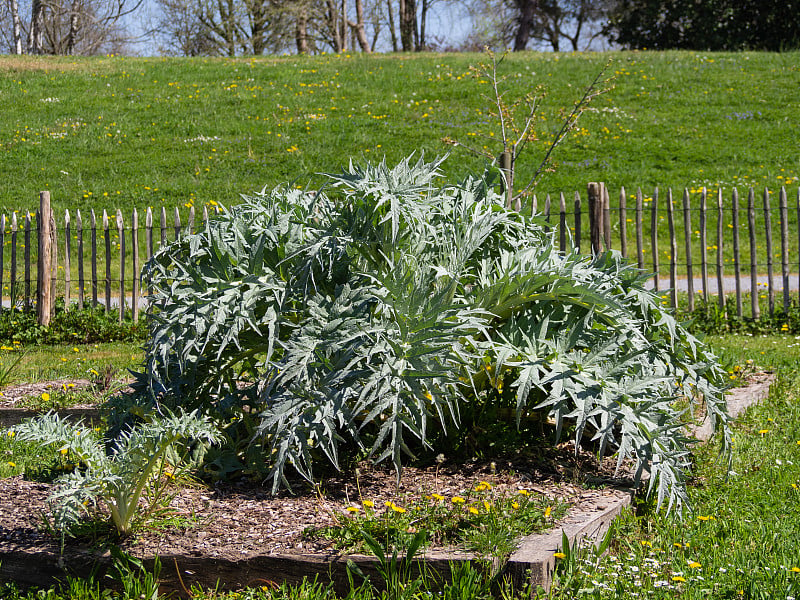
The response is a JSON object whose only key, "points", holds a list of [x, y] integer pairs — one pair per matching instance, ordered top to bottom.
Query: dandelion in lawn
{"points": [[45, 396], [763, 431], [11, 464], [526, 492], [437, 497], [457, 500], [368, 504], [515, 505], [352, 509], [473, 510], [547, 512], [705, 517], [559, 555], [694, 565], [793, 569], [678, 579]]}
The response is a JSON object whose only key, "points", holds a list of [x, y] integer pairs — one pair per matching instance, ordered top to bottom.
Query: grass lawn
{"points": [[116, 132]]}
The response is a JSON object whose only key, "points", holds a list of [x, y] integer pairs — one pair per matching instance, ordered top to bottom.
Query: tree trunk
{"points": [[14, 5], [390, 10], [527, 10], [423, 18], [74, 21], [333, 24], [408, 24], [344, 26], [358, 28], [301, 32], [35, 36]]}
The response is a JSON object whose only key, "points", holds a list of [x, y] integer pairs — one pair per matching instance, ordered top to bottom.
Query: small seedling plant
{"points": [[362, 317], [137, 466]]}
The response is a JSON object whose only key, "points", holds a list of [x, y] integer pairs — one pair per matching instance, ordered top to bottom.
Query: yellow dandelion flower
{"points": [[45, 396], [763, 431], [11, 464], [523, 492], [437, 497], [457, 500], [368, 504], [487, 505], [515, 505], [353, 509], [398, 509], [473, 510], [547, 512], [705, 517], [559, 555], [694, 565], [795, 570], [678, 579]]}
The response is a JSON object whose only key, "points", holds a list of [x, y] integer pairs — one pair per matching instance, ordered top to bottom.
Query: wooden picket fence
{"points": [[98, 259]]}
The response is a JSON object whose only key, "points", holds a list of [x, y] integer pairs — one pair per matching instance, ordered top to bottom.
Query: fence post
{"points": [[784, 209], [595, 216], [606, 216], [623, 222], [654, 237], [687, 240], [577, 242], [673, 250], [44, 298], [755, 309]]}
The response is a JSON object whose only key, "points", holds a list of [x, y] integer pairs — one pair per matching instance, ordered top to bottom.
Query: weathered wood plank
{"points": [[595, 197], [783, 205], [606, 216], [578, 223], [623, 223], [93, 224], [121, 236], [654, 237], [687, 239], [107, 240], [768, 244], [704, 245], [673, 251], [27, 257], [736, 258], [44, 259], [720, 260], [135, 264], [67, 266], [81, 278], [755, 310]]}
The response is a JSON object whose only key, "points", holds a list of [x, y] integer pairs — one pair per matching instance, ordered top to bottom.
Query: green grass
{"points": [[120, 132], [105, 133], [43, 363], [741, 540]]}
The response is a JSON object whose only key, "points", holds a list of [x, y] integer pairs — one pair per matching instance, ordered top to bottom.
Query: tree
{"points": [[568, 20], [517, 23], [706, 24], [74, 26]]}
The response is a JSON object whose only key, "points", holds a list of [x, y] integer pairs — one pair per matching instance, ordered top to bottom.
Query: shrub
{"points": [[367, 314], [79, 325]]}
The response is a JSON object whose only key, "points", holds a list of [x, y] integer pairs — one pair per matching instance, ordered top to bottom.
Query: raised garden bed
{"points": [[239, 535]]}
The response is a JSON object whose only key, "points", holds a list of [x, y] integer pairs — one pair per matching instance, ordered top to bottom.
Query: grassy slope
{"points": [[108, 132]]}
